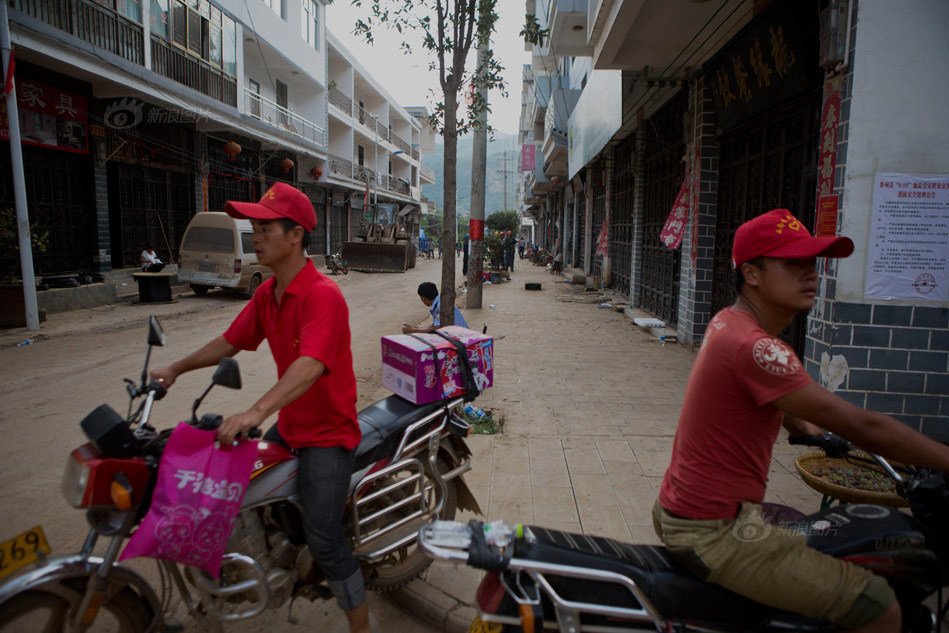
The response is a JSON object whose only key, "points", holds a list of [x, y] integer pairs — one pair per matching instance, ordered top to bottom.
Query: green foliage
{"points": [[532, 33], [503, 221], [10, 242], [494, 250], [486, 425]]}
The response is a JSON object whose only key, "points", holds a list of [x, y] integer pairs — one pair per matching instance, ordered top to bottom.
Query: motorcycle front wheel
{"points": [[406, 563], [51, 610]]}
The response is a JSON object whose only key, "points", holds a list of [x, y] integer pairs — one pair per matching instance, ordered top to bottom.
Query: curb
{"points": [[434, 606]]}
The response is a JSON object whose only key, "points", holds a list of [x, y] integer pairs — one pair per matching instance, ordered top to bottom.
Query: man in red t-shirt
{"points": [[304, 318], [744, 386]]}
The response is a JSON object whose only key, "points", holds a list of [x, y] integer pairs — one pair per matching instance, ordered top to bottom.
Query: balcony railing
{"points": [[91, 22], [189, 70], [339, 99], [363, 116], [281, 117], [382, 131], [400, 143], [415, 153], [341, 166], [427, 172], [399, 186]]}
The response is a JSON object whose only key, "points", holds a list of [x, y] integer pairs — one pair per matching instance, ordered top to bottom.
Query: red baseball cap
{"points": [[280, 201], [777, 233]]}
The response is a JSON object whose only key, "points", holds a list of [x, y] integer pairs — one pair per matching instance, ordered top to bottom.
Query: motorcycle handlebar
{"points": [[210, 422]]}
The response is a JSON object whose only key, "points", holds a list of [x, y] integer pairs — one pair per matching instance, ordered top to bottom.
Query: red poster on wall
{"points": [[49, 117], [830, 117], [826, 224], [674, 228]]}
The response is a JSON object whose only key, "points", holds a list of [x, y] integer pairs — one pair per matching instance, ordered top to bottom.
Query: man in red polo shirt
{"points": [[304, 318], [746, 384]]}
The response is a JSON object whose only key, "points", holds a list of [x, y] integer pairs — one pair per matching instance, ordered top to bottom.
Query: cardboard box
{"points": [[411, 370]]}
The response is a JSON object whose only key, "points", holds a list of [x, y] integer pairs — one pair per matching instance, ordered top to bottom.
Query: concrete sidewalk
{"points": [[590, 405]]}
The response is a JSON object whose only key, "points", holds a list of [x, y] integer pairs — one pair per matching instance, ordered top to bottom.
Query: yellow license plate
{"points": [[22, 550], [480, 626]]}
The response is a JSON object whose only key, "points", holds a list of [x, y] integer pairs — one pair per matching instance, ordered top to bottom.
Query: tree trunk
{"points": [[449, 187]]}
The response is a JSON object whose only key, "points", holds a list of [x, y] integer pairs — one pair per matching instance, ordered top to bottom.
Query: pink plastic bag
{"points": [[196, 500]]}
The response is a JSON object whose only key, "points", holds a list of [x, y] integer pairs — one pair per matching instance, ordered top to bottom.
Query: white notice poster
{"points": [[908, 255]]}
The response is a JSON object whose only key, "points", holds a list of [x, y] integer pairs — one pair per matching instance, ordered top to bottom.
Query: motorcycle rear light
{"points": [[237, 266], [74, 481], [121, 491]]}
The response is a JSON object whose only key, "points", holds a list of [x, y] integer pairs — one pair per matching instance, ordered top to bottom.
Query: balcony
{"points": [[91, 22], [568, 27], [192, 71], [339, 99], [282, 118], [556, 118], [382, 131], [400, 143], [415, 154], [340, 166], [427, 174]]}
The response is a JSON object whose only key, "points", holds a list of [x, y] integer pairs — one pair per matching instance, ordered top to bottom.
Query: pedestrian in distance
{"points": [[510, 244], [520, 246], [439, 248], [464, 254], [150, 261], [428, 293], [304, 318], [744, 386]]}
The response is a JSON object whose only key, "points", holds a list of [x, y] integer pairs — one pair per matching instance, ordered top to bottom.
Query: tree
{"points": [[457, 25], [504, 221]]}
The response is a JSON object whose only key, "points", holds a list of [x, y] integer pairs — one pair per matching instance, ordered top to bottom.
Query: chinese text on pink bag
{"points": [[196, 500]]}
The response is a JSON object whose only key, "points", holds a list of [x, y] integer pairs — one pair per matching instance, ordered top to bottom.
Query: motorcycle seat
{"points": [[382, 424], [673, 591]]}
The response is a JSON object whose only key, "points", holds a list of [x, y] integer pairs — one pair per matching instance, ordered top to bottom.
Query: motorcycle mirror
{"points": [[156, 335], [227, 374]]}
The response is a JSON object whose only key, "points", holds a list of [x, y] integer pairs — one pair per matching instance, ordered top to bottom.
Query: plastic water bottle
{"points": [[662, 337], [28, 341], [474, 412], [501, 533], [449, 534]]}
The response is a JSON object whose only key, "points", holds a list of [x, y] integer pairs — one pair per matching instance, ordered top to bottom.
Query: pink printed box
{"points": [[410, 370]]}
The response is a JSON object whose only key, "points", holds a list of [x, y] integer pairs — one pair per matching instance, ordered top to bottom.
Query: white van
{"points": [[218, 250]]}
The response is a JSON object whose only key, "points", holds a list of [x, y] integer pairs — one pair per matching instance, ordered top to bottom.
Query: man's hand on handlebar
{"points": [[165, 375], [240, 423], [833, 445]]}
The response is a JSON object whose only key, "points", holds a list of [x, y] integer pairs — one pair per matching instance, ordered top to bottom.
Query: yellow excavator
{"points": [[384, 242]]}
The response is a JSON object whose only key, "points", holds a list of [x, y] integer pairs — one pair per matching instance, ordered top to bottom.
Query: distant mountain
{"points": [[494, 187]]}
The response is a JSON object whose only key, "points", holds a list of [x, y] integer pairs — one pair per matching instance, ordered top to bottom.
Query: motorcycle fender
{"points": [[458, 450], [59, 568]]}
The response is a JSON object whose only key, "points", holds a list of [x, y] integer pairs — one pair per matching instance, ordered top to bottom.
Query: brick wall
{"points": [[888, 358]]}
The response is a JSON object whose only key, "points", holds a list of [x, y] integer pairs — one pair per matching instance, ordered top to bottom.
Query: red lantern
{"points": [[232, 149], [286, 165], [316, 172]]}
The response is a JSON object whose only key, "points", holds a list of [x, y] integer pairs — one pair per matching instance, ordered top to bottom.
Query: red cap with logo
{"points": [[280, 201], [777, 233]]}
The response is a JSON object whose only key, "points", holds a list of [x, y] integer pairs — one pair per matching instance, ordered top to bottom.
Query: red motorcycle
{"points": [[408, 471]]}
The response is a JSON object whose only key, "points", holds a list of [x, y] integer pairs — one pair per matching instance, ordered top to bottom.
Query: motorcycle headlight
{"points": [[75, 478]]}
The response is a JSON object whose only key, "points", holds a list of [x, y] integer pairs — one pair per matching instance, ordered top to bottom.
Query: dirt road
{"points": [[46, 388]]}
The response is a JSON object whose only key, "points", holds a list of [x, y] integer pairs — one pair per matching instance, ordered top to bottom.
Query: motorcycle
{"points": [[337, 264], [408, 471], [547, 579]]}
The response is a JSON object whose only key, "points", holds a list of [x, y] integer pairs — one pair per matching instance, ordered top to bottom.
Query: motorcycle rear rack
{"points": [[568, 611]]}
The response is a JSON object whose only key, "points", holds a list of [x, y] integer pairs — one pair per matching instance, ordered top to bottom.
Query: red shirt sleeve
{"points": [[325, 320], [246, 331], [768, 369]]}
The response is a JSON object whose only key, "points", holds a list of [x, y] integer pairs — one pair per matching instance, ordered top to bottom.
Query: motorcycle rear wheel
{"points": [[405, 564], [41, 610]]}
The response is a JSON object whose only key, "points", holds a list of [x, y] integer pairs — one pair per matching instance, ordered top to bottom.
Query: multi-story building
{"points": [[137, 114], [694, 119]]}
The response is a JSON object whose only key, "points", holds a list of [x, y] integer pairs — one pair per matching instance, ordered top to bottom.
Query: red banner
{"points": [[49, 117], [828, 141], [527, 156], [826, 224], [674, 228], [476, 229], [603, 240]]}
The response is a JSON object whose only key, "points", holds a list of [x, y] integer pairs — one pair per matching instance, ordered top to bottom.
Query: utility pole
{"points": [[479, 156], [505, 172], [19, 181]]}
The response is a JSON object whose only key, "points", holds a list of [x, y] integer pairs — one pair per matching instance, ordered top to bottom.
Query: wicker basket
{"points": [[807, 464]]}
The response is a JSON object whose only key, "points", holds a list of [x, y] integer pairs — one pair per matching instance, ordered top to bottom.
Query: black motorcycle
{"points": [[539, 578]]}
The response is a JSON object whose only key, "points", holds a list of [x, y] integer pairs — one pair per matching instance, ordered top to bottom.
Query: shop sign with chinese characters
{"points": [[772, 59], [49, 117], [528, 151], [908, 254]]}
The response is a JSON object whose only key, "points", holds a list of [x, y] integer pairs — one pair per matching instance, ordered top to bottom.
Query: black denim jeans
{"points": [[323, 475]]}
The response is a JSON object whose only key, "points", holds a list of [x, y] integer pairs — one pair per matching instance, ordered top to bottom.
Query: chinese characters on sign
{"points": [[768, 63], [49, 117], [828, 141], [527, 156], [826, 225], [674, 228], [603, 240], [908, 254]]}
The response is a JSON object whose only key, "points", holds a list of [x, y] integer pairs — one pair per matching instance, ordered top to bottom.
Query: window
{"points": [[277, 6], [132, 9], [159, 18], [311, 23], [229, 56], [254, 88], [283, 102], [360, 155]]}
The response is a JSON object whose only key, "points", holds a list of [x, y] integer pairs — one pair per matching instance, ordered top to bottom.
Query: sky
{"points": [[407, 78]]}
